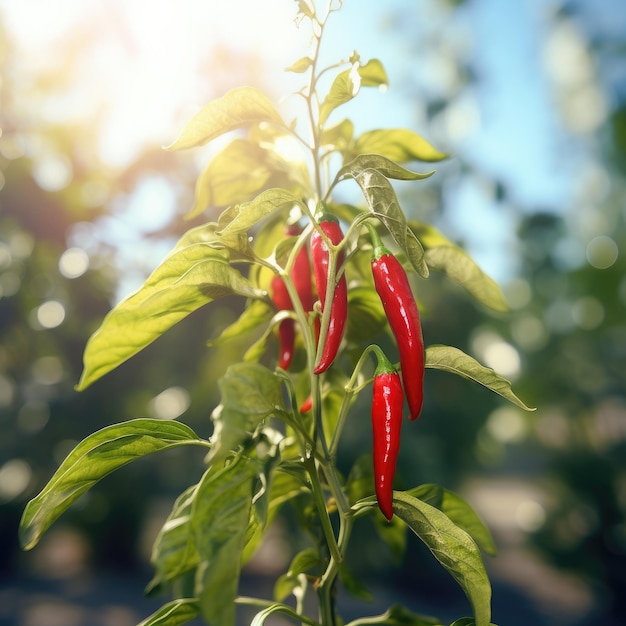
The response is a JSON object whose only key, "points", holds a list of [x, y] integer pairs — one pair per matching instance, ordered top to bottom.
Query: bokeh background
{"points": [[529, 96]]}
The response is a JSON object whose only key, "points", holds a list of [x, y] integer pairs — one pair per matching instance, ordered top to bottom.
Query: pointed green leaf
{"points": [[306, 7], [300, 66], [348, 83], [239, 107], [338, 137], [398, 144], [388, 168], [234, 175], [382, 201], [241, 217], [461, 268], [187, 279], [453, 360], [250, 394], [91, 460], [283, 488], [263, 510], [459, 511], [219, 521], [452, 547], [174, 551], [300, 564], [174, 613]]}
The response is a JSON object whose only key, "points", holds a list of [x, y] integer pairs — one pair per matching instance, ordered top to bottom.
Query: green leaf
{"points": [[306, 7], [300, 66], [348, 83], [239, 107], [338, 137], [397, 144], [388, 168], [234, 175], [382, 201], [241, 217], [461, 268], [187, 279], [256, 313], [367, 317], [453, 360], [250, 394], [92, 459], [283, 487], [459, 511], [219, 521], [452, 547], [174, 551], [301, 563], [174, 613], [396, 615], [465, 621]]}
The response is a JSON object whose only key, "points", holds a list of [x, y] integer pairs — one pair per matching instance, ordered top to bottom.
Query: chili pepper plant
{"points": [[316, 276]]}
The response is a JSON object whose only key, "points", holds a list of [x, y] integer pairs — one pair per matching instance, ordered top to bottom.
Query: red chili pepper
{"points": [[301, 275], [394, 290], [339, 307], [286, 328], [307, 405], [387, 405]]}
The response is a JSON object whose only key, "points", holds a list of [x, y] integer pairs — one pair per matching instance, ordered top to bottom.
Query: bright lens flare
{"points": [[137, 71]]}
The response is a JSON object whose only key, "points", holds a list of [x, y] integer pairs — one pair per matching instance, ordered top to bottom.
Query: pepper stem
{"points": [[378, 248]]}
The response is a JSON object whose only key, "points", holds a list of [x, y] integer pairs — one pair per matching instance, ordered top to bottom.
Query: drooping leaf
{"points": [[307, 8], [300, 66], [348, 83], [240, 107], [338, 137], [398, 144], [388, 168], [234, 175], [381, 200], [461, 268], [187, 279], [450, 359], [250, 394], [91, 460], [284, 487], [262, 511], [459, 511], [220, 517], [452, 547], [174, 550], [303, 562], [174, 613], [397, 615]]}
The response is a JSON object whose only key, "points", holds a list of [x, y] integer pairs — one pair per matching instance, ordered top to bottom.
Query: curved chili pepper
{"points": [[329, 225], [301, 275], [394, 290], [286, 328], [387, 405]]}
